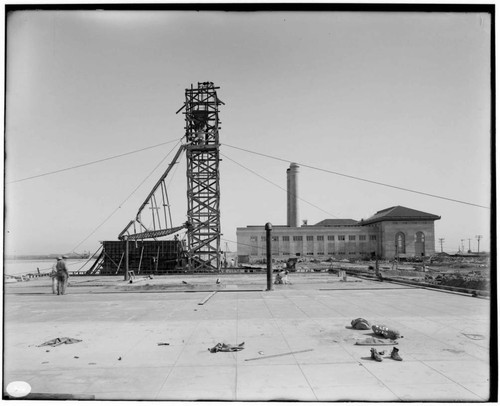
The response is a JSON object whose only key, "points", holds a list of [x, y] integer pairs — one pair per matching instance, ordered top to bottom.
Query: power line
{"points": [[91, 163], [357, 178], [274, 184], [128, 197], [478, 239]]}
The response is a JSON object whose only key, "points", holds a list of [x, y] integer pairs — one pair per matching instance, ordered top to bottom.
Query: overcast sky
{"points": [[396, 98]]}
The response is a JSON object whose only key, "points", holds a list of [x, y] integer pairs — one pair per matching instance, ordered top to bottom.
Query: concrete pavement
{"points": [[445, 349]]}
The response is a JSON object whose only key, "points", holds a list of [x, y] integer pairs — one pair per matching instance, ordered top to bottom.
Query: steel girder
{"points": [[156, 210]]}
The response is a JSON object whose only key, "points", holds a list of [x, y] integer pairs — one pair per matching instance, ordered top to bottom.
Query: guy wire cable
{"points": [[90, 163], [357, 178], [274, 184], [128, 197]]}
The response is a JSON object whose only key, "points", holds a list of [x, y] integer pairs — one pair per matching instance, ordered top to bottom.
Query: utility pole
{"points": [[478, 239], [441, 241], [469, 246], [463, 249]]}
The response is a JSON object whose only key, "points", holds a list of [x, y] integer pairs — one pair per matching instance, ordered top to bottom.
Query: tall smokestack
{"points": [[292, 195]]}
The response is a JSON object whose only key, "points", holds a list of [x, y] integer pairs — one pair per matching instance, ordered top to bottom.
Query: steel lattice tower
{"points": [[203, 191]]}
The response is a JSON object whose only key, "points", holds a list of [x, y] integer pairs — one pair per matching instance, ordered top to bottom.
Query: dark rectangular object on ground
{"points": [[145, 257], [51, 396]]}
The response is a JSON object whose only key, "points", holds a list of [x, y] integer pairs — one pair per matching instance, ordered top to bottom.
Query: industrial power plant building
{"points": [[395, 232]]}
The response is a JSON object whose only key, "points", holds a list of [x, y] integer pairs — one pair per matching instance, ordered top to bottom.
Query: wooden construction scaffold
{"points": [[203, 186], [154, 219]]}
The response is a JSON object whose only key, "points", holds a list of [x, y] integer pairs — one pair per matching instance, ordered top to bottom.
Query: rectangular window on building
{"points": [[341, 237], [373, 237], [263, 238], [273, 238], [286, 238], [297, 238], [310, 238], [320, 238], [331, 238], [352, 238], [362, 238], [253, 245], [286, 253], [310, 253], [321, 253], [331, 253], [352, 253]]}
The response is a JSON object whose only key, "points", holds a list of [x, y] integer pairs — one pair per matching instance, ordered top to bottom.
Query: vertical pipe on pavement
{"points": [[269, 227], [126, 259]]}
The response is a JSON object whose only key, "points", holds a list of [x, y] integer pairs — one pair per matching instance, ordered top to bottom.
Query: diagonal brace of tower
{"points": [[203, 190]]}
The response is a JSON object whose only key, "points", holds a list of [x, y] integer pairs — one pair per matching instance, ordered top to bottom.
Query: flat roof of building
{"points": [[149, 340]]}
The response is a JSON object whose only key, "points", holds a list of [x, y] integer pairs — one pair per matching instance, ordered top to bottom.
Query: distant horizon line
{"points": [[83, 256]]}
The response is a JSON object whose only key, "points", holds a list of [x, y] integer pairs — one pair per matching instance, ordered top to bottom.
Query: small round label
{"points": [[18, 389]]}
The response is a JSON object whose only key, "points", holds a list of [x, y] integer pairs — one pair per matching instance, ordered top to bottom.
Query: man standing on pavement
{"points": [[61, 275], [53, 276]]}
